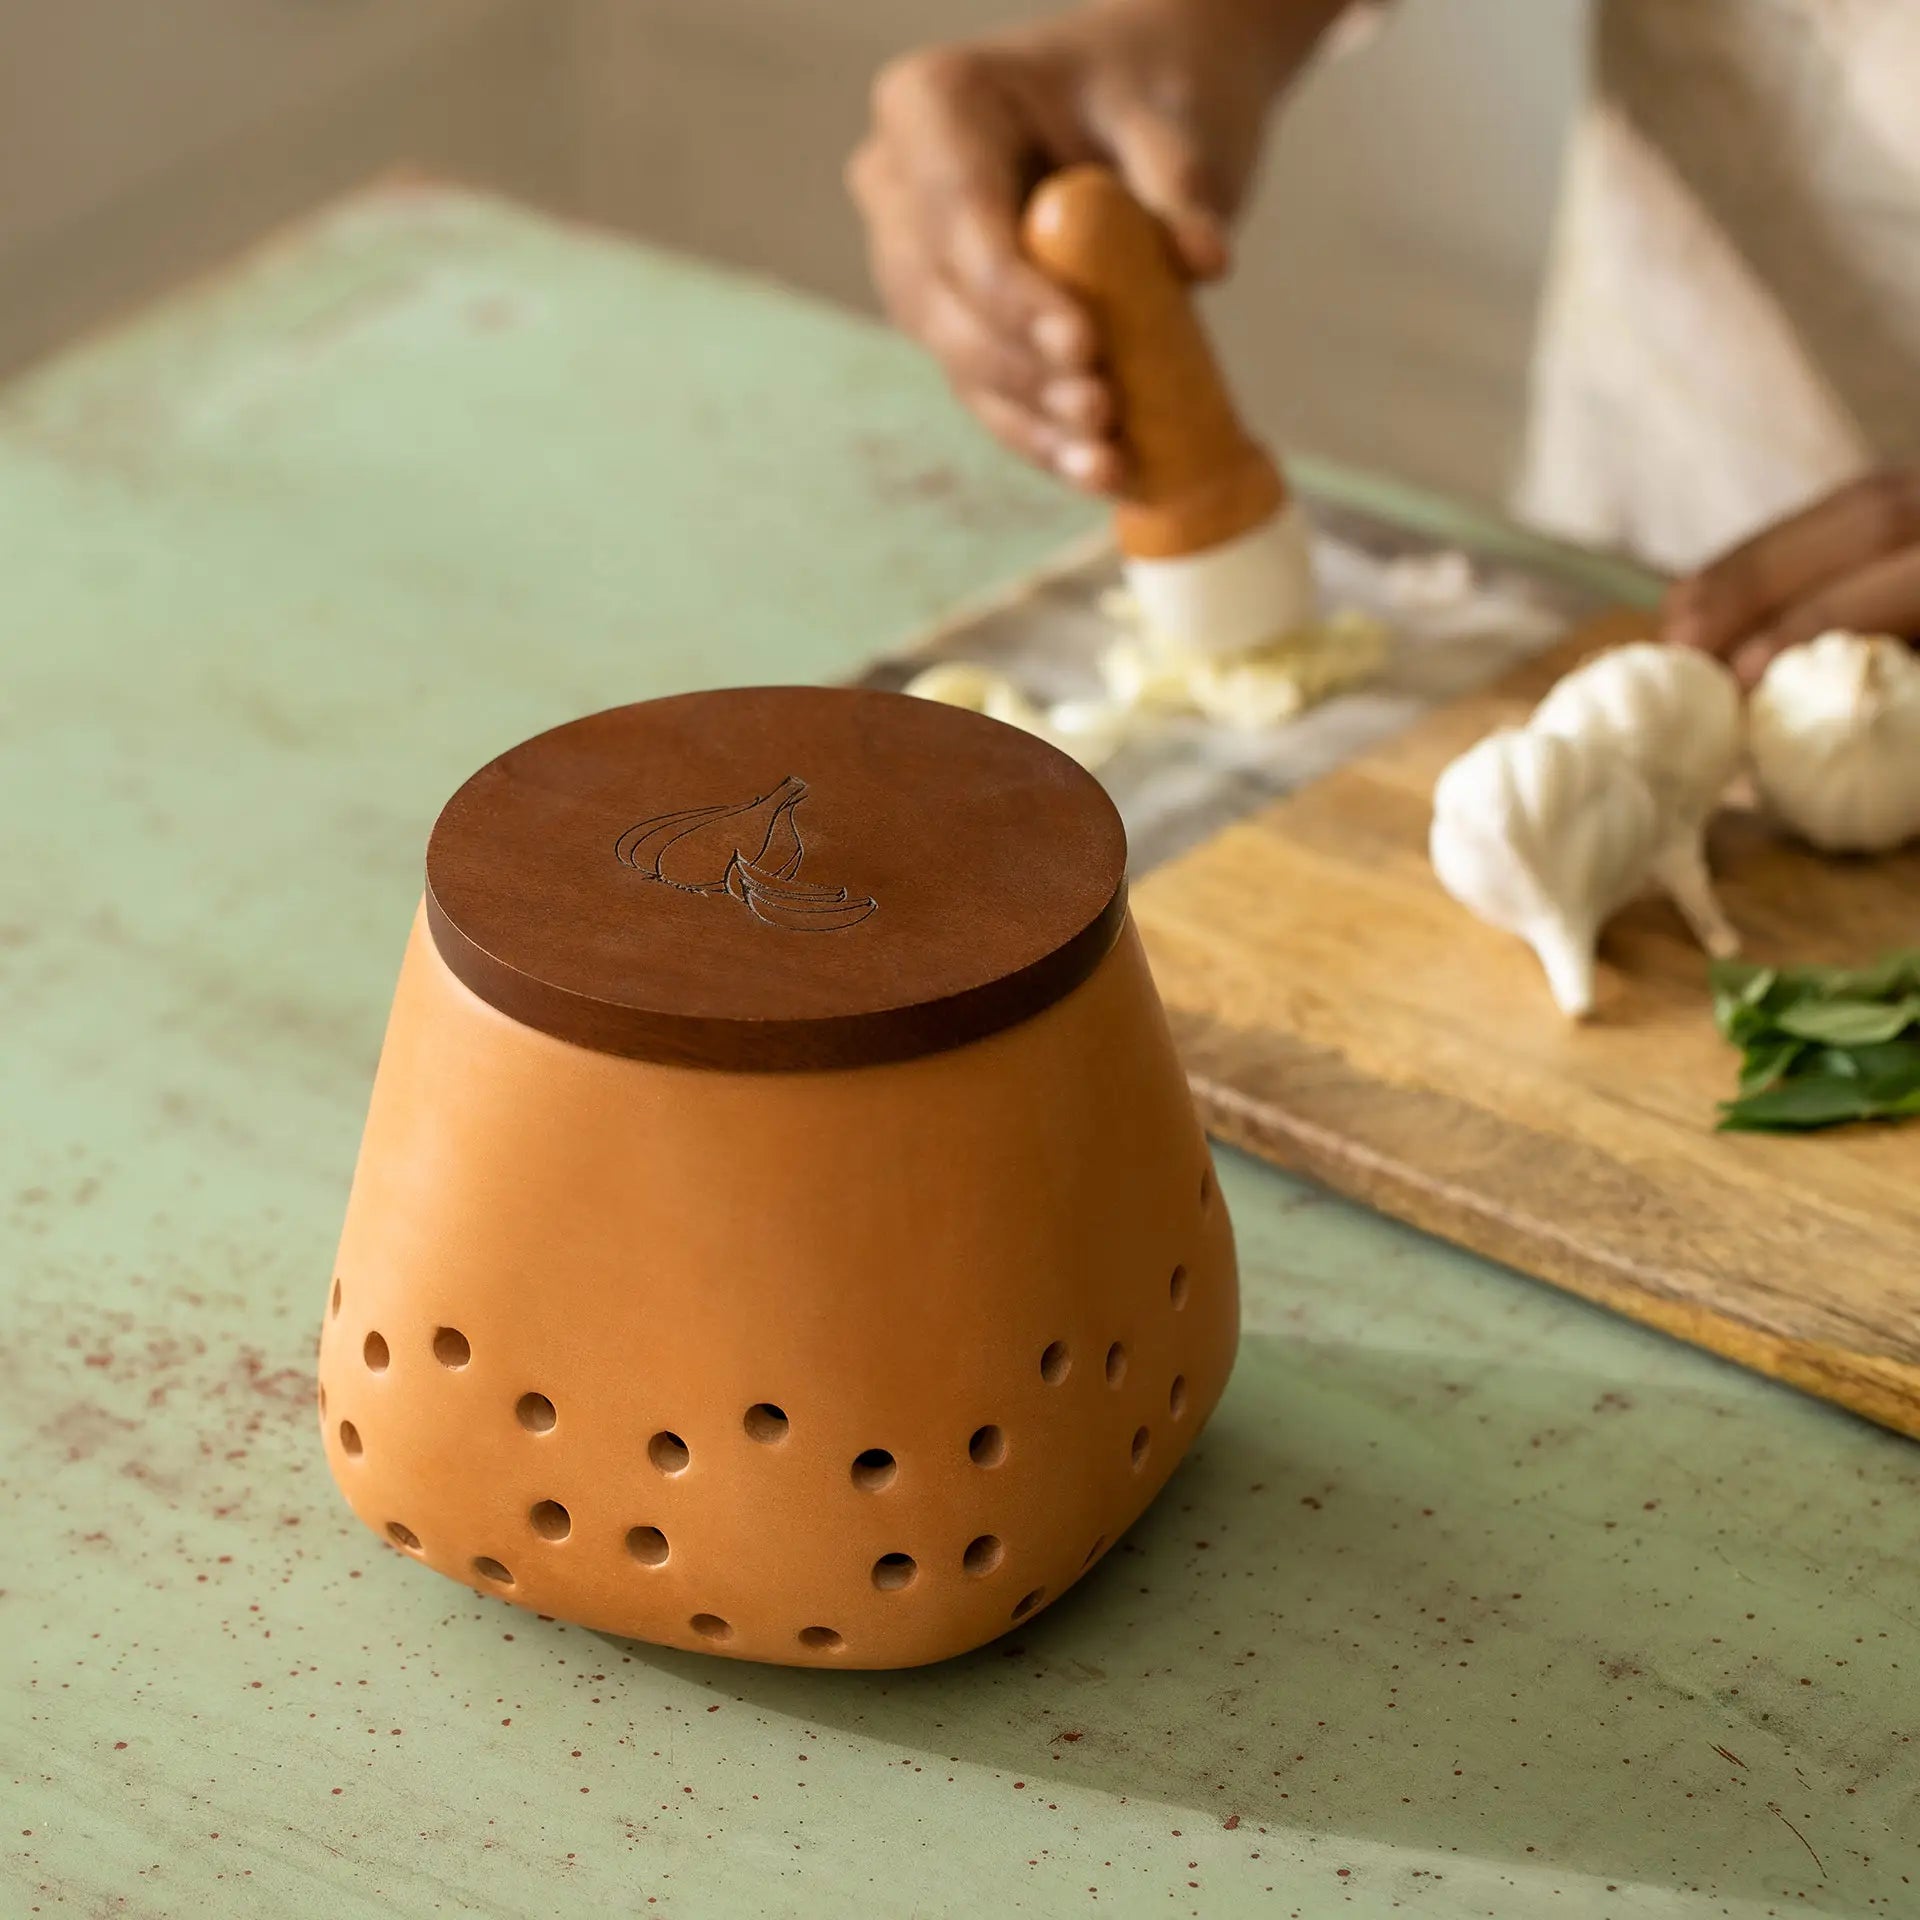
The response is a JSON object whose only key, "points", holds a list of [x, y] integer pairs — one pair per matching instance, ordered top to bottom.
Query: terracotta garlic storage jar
{"points": [[781, 1227]]}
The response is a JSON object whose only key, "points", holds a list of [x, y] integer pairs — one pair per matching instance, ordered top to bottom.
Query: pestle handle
{"points": [[1196, 478]]}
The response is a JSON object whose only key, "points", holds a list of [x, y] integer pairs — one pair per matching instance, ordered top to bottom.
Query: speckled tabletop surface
{"points": [[1473, 1601]]}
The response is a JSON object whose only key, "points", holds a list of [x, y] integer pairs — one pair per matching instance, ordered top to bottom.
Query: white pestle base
{"points": [[1241, 594]]}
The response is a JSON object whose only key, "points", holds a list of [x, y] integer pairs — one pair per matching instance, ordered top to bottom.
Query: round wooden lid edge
{"points": [[969, 876], [774, 1046]]}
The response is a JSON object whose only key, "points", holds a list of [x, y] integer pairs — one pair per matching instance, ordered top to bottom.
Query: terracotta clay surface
{"points": [[1196, 477], [777, 878], [782, 1227], [834, 1368]]}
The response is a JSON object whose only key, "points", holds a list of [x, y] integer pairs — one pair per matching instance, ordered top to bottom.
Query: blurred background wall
{"points": [[1390, 264]]}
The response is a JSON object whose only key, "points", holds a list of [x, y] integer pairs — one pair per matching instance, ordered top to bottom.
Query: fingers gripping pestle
{"points": [[1215, 549]]}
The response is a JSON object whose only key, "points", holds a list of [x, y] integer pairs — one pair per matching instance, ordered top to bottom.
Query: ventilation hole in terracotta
{"points": [[1206, 1187], [1177, 1288], [336, 1295], [450, 1347], [375, 1352], [1055, 1362], [1116, 1364], [1177, 1396], [323, 1400], [535, 1412], [765, 1423], [350, 1437], [1142, 1439], [988, 1447], [669, 1453], [873, 1469], [550, 1520], [403, 1536], [648, 1545], [1094, 1552], [983, 1555], [488, 1568], [892, 1571], [1027, 1602], [709, 1626], [822, 1639]]}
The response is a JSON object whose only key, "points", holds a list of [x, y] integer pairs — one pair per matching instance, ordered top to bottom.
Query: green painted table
{"points": [[1473, 1602]]}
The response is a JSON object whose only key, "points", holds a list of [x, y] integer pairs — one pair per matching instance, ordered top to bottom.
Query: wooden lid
{"points": [[775, 878]]}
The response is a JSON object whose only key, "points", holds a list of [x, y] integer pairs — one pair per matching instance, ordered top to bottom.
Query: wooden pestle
{"points": [[1195, 478]]}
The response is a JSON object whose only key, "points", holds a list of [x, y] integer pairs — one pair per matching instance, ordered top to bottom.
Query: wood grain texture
{"points": [[777, 879], [1339, 1014]]}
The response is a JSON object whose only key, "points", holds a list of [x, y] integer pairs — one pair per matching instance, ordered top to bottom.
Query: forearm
{"points": [[1174, 95]]}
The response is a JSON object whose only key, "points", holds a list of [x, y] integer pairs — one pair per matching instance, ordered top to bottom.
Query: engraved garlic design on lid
{"points": [[752, 853]]}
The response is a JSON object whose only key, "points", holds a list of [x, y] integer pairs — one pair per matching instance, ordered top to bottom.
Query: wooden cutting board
{"points": [[1340, 1015]]}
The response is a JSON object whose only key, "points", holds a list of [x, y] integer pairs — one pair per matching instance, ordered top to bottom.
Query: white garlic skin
{"points": [[1674, 713], [1677, 715], [1834, 728], [1545, 837]]}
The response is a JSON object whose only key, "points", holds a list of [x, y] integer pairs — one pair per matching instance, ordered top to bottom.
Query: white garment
{"points": [[1732, 320]]}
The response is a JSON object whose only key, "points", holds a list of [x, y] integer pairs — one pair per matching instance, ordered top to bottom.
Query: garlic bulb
{"points": [[1676, 715], [1835, 729], [1545, 836]]}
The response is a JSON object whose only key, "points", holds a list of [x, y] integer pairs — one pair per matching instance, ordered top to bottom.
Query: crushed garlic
{"points": [[1145, 679]]}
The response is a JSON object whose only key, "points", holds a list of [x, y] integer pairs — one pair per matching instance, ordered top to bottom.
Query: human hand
{"points": [[1172, 93], [1851, 560]]}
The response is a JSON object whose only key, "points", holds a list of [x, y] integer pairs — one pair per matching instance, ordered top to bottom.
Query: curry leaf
{"points": [[1893, 977], [1739, 987], [1847, 1023], [1822, 1045], [1767, 1065], [1888, 1070], [1810, 1100]]}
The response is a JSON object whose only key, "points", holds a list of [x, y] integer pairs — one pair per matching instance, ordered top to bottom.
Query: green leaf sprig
{"points": [[1821, 1045]]}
